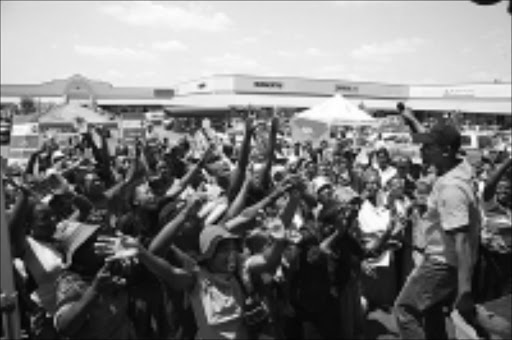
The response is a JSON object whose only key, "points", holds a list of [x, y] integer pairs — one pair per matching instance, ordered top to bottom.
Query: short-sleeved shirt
{"points": [[452, 204], [107, 318]]}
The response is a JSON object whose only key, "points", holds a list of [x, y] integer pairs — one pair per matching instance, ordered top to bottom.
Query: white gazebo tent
{"points": [[315, 123]]}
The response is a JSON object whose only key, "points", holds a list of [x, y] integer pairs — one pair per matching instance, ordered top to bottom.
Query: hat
{"points": [[441, 134], [71, 235], [210, 238]]}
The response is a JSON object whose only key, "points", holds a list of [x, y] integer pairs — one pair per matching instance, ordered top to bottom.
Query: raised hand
{"points": [[249, 124], [274, 125], [209, 154], [62, 185], [195, 202], [120, 247]]}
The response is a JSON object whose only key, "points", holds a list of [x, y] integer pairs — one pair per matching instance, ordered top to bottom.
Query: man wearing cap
{"points": [[451, 230]]}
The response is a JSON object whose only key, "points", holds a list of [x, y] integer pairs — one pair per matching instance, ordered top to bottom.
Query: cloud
{"points": [[194, 16], [250, 40], [170, 45], [466, 50], [315, 52], [384, 52], [114, 53], [286, 54], [233, 63], [331, 70], [113, 73], [144, 74], [483, 76], [355, 77]]}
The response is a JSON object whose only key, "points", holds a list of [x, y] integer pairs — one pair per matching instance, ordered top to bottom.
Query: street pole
{"points": [[9, 300]]}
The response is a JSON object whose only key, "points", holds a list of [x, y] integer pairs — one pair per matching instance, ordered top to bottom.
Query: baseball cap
{"points": [[441, 134], [210, 237]]}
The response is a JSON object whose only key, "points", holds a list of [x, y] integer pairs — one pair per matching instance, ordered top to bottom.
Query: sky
{"points": [[144, 43]]}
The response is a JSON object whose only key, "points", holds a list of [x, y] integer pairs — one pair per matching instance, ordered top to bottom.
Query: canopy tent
{"points": [[72, 113], [74, 116], [315, 124]]}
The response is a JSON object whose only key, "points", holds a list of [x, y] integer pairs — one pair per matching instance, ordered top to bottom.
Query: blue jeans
{"points": [[419, 306]]}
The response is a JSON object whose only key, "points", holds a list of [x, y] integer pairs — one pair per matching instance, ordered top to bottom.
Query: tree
{"points": [[27, 105]]}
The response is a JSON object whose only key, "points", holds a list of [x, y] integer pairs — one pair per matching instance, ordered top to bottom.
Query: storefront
{"points": [[231, 96]]}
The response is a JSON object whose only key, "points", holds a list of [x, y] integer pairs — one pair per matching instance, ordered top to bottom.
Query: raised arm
{"points": [[410, 119], [105, 155], [29, 170], [135, 173], [266, 177], [237, 178], [187, 179], [494, 179], [238, 204], [16, 222], [237, 224], [163, 240], [270, 259], [177, 278]]}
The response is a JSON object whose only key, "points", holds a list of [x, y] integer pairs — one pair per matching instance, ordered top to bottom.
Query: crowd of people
{"points": [[161, 240]]}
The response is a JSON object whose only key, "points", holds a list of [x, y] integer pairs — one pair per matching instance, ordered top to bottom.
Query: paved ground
{"points": [[381, 325]]}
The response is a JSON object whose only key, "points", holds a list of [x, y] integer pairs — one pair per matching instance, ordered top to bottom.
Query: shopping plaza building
{"points": [[483, 104]]}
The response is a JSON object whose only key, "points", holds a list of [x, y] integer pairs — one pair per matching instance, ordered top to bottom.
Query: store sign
{"points": [[268, 84], [345, 88], [163, 93], [459, 93]]}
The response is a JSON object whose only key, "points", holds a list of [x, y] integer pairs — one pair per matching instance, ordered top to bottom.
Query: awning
{"points": [[225, 101], [134, 102], [470, 106]]}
